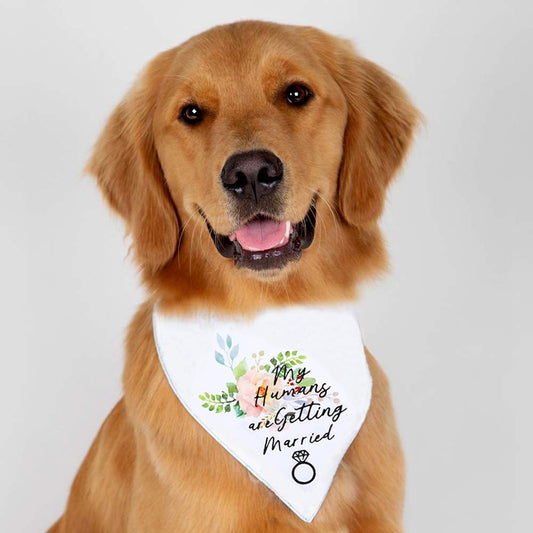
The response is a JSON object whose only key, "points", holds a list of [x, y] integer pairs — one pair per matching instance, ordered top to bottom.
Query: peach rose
{"points": [[248, 386]]}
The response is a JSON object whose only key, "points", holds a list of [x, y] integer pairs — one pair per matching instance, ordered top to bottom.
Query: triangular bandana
{"points": [[285, 392]]}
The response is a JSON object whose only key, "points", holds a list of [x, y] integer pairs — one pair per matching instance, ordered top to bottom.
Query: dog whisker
{"points": [[332, 209], [196, 224], [182, 233]]}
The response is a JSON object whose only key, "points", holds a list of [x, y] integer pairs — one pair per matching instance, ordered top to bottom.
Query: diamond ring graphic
{"points": [[302, 472]]}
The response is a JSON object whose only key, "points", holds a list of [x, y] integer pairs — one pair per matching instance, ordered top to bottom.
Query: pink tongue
{"points": [[259, 235]]}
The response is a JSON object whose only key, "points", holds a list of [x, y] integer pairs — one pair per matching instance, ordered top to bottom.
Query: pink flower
{"points": [[251, 384]]}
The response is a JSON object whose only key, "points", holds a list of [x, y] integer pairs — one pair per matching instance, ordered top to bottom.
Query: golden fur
{"points": [[151, 464]]}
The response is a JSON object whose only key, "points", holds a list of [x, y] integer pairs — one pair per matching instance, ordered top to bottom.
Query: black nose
{"points": [[252, 174]]}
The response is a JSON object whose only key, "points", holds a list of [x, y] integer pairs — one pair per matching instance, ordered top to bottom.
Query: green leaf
{"points": [[220, 341], [228, 341], [234, 352], [294, 352], [280, 356], [219, 357], [302, 357], [273, 361], [267, 367], [240, 369], [307, 382], [232, 388], [224, 395], [201, 396], [212, 396], [218, 397], [205, 405], [211, 407], [219, 408], [227, 409], [237, 409]]}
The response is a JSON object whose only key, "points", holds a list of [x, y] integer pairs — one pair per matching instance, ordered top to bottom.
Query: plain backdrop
{"points": [[451, 323]]}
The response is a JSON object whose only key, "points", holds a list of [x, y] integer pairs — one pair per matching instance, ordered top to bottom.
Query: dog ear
{"points": [[379, 130], [127, 169]]}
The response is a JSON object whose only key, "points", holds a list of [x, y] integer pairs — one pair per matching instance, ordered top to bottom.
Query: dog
{"points": [[248, 138]]}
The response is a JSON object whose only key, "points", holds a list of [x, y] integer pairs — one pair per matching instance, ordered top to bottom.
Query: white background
{"points": [[450, 324]]}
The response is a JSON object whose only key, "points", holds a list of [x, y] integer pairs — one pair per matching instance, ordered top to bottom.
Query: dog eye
{"points": [[297, 95], [191, 114]]}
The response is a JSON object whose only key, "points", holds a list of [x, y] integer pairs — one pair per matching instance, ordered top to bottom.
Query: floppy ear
{"points": [[380, 126], [379, 131], [127, 169]]}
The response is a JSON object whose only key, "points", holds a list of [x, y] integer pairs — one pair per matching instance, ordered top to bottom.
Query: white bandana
{"points": [[285, 392]]}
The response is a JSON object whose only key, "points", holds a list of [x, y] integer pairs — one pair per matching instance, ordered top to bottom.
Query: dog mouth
{"points": [[264, 242]]}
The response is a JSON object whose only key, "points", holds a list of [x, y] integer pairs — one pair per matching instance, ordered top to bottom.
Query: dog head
{"points": [[256, 156]]}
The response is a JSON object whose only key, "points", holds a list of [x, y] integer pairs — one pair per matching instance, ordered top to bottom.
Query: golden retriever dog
{"points": [[247, 125]]}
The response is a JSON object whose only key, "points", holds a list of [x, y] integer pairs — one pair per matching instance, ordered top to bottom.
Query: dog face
{"points": [[249, 133], [255, 153]]}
